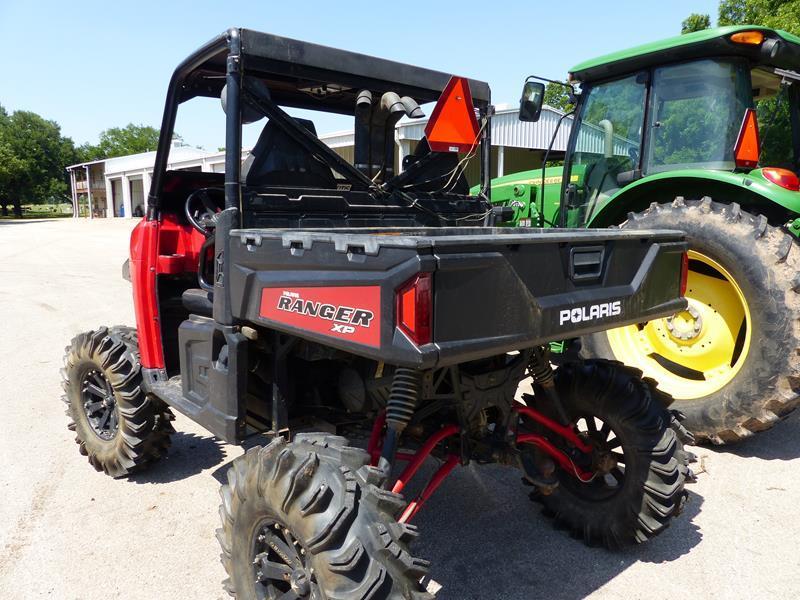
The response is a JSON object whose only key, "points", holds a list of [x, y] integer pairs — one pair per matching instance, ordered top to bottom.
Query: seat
{"points": [[278, 160], [198, 302]]}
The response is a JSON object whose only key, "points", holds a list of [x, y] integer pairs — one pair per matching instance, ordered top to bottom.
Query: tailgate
{"points": [[494, 290], [517, 295]]}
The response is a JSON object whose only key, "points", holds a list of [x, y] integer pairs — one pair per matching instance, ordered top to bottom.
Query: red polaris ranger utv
{"points": [[303, 297]]}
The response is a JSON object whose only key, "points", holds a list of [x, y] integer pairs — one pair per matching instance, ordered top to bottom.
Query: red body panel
{"points": [[158, 248], [351, 313]]}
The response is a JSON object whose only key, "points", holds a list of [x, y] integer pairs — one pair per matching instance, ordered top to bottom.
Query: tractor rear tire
{"points": [[763, 383], [128, 429], [638, 501], [311, 518]]}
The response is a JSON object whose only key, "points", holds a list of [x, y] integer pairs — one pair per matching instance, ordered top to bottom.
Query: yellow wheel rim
{"points": [[698, 351]]}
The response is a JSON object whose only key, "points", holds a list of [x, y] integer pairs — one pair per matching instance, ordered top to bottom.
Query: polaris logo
{"points": [[590, 312], [345, 318]]}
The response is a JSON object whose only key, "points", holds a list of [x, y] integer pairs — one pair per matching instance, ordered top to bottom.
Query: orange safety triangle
{"points": [[453, 126], [748, 145]]}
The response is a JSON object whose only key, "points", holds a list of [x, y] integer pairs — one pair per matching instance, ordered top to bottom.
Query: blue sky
{"points": [[93, 65]]}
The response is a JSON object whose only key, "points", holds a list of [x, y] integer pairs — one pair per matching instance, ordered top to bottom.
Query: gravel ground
{"points": [[69, 532]]}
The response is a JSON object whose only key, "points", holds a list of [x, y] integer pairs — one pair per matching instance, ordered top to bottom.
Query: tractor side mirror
{"points": [[530, 105]]}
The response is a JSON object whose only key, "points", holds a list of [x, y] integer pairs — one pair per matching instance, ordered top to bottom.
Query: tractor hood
{"points": [[519, 185]]}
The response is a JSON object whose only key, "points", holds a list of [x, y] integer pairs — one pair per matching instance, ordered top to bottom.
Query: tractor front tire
{"points": [[732, 360], [624, 418], [117, 426], [310, 519]]}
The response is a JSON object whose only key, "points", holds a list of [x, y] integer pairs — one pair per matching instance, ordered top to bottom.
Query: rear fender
{"points": [[749, 190]]}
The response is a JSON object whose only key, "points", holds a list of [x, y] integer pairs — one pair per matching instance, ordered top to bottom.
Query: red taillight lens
{"points": [[782, 177], [684, 273], [414, 312]]}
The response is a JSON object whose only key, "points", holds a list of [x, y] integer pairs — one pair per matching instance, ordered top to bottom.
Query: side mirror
{"points": [[530, 105]]}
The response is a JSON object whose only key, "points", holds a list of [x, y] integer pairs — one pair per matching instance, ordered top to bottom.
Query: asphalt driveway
{"points": [[69, 532]]}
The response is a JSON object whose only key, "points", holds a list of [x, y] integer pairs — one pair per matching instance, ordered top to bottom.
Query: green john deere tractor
{"points": [[666, 136]]}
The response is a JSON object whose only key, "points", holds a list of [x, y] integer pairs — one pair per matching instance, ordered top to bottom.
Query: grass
{"points": [[42, 211], [35, 215]]}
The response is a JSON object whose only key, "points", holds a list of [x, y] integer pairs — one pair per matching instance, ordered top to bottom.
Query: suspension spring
{"points": [[540, 368], [542, 373], [403, 397], [400, 408]]}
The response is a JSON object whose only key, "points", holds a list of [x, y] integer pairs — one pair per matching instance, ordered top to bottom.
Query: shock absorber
{"points": [[541, 372], [400, 407]]}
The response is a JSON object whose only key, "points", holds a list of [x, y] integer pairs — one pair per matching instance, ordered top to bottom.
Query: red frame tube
{"points": [[566, 432], [376, 438], [375, 444], [423, 453], [562, 459], [415, 460], [413, 507]]}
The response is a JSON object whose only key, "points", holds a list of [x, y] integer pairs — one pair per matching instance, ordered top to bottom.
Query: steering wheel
{"points": [[633, 154], [201, 210]]}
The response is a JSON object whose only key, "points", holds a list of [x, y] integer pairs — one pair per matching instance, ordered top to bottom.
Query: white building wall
{"points": [[507, 131]]}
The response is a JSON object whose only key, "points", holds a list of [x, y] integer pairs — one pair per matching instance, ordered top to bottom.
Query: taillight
{"points": [[783, 177], [684, 273], [414, 312]]}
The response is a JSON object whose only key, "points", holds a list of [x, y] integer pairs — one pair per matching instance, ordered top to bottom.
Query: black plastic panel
{"points": [[494, 290]]}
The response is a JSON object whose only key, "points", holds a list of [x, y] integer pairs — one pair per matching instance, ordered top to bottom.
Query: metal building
{"points": [[516, 145], [118, 187]]}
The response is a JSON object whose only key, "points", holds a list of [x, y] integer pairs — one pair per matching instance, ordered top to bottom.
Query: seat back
{"points": [[277, 159]]}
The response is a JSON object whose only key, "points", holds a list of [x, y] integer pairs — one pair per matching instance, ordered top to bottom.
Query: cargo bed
{"points": [[494, 289]]}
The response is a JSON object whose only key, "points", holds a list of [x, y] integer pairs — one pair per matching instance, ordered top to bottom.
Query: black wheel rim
{"points": [[99, 405], [608, 460], [281, 569]]}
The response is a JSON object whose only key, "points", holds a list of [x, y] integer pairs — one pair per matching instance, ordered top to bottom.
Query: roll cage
{"points": [[298, 75]]}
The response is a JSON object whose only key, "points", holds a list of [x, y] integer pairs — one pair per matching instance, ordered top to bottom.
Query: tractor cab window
{"points": [[776, 99], [696, 113], [607, 144]]}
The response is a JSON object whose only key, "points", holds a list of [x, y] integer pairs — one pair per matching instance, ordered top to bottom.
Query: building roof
{"points": [[507, 130], [145, 160], [85, 164]]}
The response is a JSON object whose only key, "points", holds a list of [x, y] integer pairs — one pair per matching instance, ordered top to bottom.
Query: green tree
{"points": [[778, 14], [695, 22], [555, 95], [120, 141], [33, 158], [12, 169]]}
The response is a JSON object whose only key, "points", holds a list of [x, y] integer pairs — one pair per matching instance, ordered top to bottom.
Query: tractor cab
{"points": [[682, 107], [699, 132]]}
